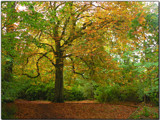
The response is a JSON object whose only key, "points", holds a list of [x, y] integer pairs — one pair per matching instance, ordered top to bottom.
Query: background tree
{"points": [[9, 18]]}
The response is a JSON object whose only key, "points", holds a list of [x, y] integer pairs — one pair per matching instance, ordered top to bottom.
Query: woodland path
{"points": [[73, 110]]}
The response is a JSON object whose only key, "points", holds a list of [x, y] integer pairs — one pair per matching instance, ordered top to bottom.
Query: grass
{"points": [[145, 112]]}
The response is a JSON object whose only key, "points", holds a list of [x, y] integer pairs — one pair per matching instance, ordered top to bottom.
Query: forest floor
{"points": [[85, 109]]}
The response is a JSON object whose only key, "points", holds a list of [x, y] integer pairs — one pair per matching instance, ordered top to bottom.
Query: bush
{"points": [[89, 89], [10, 90], [41, 91], [45, 91], [50, 92], [35, 93], [108, 93], [117, 93], [129, 93], [73, 94], [153, 94], [153, 97]]}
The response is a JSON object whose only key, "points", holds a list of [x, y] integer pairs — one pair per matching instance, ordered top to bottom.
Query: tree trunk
{"points": [[10, 29], [8, 71], [59, 75], [59, 82]]}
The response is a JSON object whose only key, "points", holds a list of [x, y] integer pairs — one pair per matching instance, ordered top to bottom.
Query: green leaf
{"points": [[31, 8], [52, 20], [116, 59], [156, 63], [137, 64], [150, 64], [140, 70]]}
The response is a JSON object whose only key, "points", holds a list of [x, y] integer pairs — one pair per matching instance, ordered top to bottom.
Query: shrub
{"points": [[89, 89], [10, 90], [41, 91], [45, 91], [35, 93], [50, 93], [108, 93], [117, 93], [129, 93], [73, 94], [153, 94], [153, 97]]}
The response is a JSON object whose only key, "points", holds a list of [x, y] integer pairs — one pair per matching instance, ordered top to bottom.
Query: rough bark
{"points": [[59, 75], [59, 82]]}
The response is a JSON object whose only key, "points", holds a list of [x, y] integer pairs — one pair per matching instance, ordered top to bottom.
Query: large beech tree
{"points": [[50, 30]]}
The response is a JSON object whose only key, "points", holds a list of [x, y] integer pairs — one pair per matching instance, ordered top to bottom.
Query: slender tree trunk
{"points": [[8, 71]]}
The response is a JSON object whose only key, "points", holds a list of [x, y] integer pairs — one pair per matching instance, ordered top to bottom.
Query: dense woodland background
{"points": [[64, 51]]}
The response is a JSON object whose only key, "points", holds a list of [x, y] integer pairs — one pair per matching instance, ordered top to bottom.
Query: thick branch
{"points": [[60, 5], [54, 6], [82, 10], [64, 28], [79, 32], [49, 34], [69, 41], [44, 43], [50, 46], [43, 55], [47, 58], [38, 74]]}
